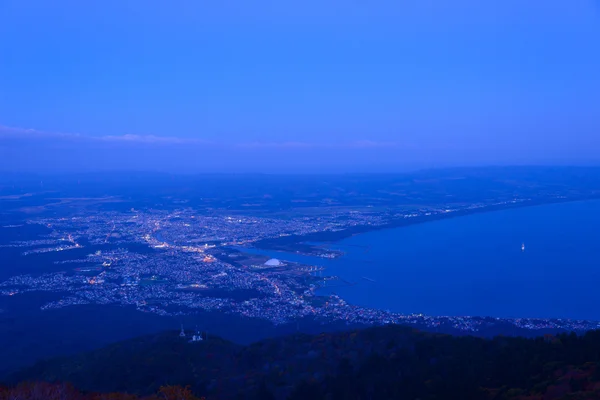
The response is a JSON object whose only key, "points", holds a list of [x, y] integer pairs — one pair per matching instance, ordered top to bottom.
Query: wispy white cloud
{"points": [[9, 132], [26, 134], [33, 134], [152, 139], [358, 144]]}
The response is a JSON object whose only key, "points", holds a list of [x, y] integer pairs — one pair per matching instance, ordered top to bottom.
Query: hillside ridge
{"points": [[376, 362]]}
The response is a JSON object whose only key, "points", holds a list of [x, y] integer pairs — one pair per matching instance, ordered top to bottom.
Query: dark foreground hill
{"points": [[389, 362]]}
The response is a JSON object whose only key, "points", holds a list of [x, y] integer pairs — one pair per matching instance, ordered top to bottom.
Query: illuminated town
{"points": [[180, 262]]}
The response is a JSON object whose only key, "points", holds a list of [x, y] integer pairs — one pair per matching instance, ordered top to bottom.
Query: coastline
{"points": [[298, 243], [540, 271]]}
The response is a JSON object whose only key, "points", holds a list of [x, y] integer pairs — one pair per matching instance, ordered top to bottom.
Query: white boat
{"points": [[523, 247]]}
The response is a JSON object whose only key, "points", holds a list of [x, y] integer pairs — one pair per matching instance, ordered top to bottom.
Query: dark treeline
{"points": [[379, 363]]}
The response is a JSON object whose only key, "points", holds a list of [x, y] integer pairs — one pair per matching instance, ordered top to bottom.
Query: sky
{"points": [[293, 86]]}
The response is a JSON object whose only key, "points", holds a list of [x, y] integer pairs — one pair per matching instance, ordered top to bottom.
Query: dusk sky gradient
{"points": [[292, 86]]}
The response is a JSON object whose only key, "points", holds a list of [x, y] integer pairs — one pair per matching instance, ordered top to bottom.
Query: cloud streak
{"points": [[7, 132], [34, 135], [129, 138], [33, 150]]}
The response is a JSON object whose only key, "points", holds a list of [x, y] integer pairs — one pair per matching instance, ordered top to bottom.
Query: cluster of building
{"points": [[170, 263]]}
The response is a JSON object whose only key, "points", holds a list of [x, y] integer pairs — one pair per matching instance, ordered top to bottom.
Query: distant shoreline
{"points": [[298, 243]]}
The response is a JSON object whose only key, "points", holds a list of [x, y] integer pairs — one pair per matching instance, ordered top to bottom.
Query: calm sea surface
{"points": [[474, 265]]}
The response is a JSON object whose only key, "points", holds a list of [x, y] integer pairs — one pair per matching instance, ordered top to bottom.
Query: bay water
{"points": [[475, 265]]}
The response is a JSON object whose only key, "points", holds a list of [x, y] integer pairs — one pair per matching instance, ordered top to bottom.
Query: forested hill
{"points": [[376, 363]]}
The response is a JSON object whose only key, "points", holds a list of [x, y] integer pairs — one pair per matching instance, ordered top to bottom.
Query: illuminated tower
{"points": [[182, 333]]}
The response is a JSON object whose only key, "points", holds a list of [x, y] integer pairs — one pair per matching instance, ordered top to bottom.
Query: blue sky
{"points": [[298, 85]]}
